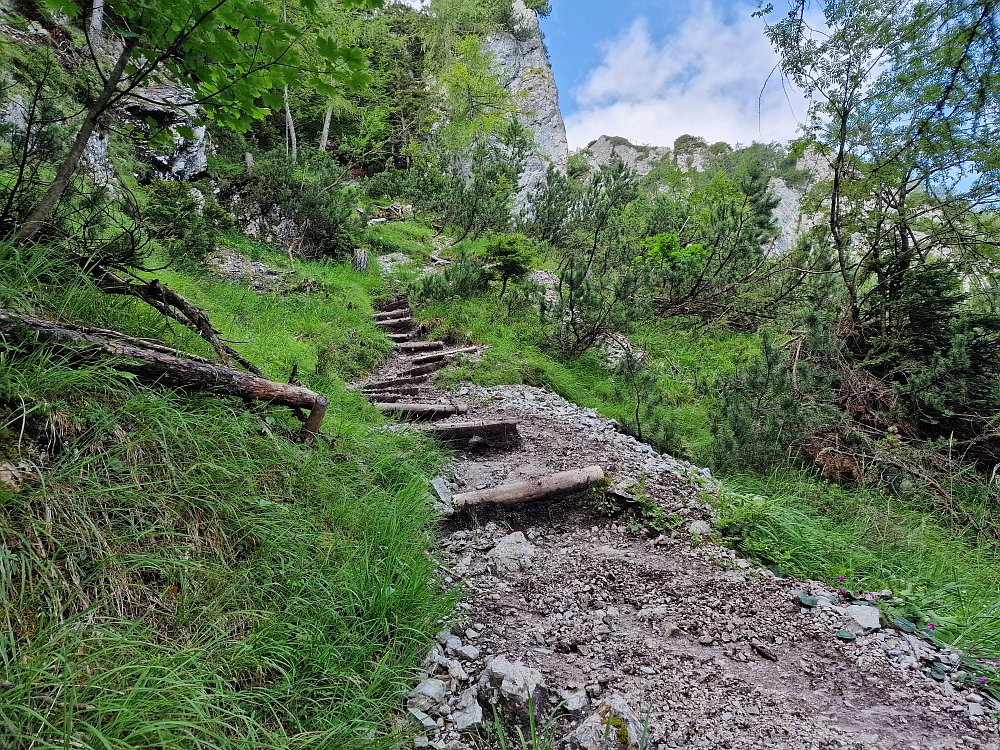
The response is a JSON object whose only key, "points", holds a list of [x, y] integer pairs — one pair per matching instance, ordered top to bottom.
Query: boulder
{"points": [[513, 553], [862, 619], [513, 685]]}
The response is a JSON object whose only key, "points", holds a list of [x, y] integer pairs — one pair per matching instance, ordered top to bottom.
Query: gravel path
{"points": [[654, 640]]}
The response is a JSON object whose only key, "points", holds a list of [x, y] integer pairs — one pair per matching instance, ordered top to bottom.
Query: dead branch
{"points": [[173, 370]]}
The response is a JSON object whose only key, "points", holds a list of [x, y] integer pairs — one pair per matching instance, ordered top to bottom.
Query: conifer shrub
{"points": [[184, 220], [465, 278]]}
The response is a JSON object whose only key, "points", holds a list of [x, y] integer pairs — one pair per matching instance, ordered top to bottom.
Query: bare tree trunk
{"points": [[97, 19], [290, 129], [325, 135], [65, 172], [155, 364]]}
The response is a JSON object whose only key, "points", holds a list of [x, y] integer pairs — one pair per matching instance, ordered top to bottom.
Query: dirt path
{"points": [[655, 641]]}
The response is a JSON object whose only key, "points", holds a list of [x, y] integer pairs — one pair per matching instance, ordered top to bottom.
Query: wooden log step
{"points": [[396, 304], [389, 314], [407, 318], [398, 325], [397, 337], [421, 346], [438, 356], [425, 369], [391, 385], [386, 398], [422, 411], [475, 434], [539, 488]]}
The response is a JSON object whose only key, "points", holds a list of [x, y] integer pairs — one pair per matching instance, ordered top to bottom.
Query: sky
{"points": [[651, 70]]}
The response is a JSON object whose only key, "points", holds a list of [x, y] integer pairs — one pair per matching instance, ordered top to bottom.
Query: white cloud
{"points": [[704, 79]]}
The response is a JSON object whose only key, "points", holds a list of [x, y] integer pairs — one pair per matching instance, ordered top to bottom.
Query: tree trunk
{"points": [[97, 19], [290, 129], [325, 135], [64, 174], [173, 370], [563, 483]]}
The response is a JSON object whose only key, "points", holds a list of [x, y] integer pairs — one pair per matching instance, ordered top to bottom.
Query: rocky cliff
{"points": [[525, 68], [608, 149]]}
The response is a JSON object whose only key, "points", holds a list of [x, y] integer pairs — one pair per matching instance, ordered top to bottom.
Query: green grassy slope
{"points": [[175, 572]]}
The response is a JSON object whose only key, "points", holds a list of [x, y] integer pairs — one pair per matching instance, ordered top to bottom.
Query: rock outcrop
{"points": [[524, 66], [167, 106], [608, 149]]}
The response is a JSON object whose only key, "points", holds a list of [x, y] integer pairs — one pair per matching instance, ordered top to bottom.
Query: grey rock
{"points": [[524, 67], [169, 106], [608, 150], [440, 485], [702, 528], [513, 553], [862, 619], [468, 652], [456, 670], [514, 685], [427, 696], [575, 699], [976, 711], [467, 712], [611, 714], [423, 719]]}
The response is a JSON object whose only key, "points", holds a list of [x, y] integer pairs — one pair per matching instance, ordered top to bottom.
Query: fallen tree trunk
{"points": [[172, 369], [422, 411], [492, 433], [563, 483]]}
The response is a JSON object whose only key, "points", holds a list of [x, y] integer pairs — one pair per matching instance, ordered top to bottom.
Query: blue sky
{"points": [[651, 70]]}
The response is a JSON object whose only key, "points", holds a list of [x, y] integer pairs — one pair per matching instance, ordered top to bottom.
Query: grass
{"points": [[411, 238], [688, 365], [865, 540], [175, 572]]}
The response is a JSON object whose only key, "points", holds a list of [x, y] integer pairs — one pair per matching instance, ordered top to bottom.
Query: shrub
{"points": [[276, 192], [186, 222], [510, 256], [463, 279]]}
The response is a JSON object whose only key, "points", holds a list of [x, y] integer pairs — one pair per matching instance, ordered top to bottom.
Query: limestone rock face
{"points": [[525, 68], [165, 105], [609, 149]]}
